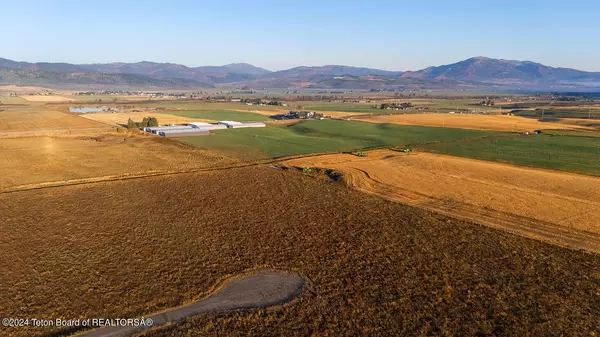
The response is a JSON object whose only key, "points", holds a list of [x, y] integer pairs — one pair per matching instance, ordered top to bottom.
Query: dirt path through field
{"points": [[556, 207], [259, 290]]}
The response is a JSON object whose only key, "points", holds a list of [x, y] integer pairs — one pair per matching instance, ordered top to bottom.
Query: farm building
{"points": [[238, 125], [250, 125], [198, 128], [183, 132]]}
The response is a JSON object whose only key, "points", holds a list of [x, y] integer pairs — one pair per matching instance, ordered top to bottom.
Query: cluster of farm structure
{"points": [[199, 128]]}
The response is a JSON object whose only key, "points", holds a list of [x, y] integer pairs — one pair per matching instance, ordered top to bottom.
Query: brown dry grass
{"points": [[24, 89], [45, 99], [38, 118], [122, 118], [467, 121], [35, 160], [474, 189], [123, 249]]}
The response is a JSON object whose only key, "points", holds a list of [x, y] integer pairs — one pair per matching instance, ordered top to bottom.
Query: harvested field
{"points": [[45, 98], [39, 118], [122, 118], [467, 121], [36, 160], [539, 204], [129, 248]]}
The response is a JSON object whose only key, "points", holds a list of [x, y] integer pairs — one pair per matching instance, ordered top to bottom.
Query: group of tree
{"points": [[258, 101], [488, 102], [401, 106], [146, 122]]}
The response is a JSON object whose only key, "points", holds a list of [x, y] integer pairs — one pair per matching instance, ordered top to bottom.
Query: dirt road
{"points": [[259, 290]]}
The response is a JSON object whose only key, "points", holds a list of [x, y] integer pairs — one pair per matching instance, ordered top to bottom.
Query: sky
{"points": [[386, 34]]}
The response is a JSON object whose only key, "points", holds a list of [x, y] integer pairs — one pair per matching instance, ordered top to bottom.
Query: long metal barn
{"points": [[198, 128]]}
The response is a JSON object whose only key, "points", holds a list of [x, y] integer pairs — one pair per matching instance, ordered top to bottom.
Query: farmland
{"points": [[582, 112], [220, 115], [39, 118], [122, 118], [468, 121], [323, 136], [579, 154], [37, 160], [498, 195], [101, 222], [127, 248]]}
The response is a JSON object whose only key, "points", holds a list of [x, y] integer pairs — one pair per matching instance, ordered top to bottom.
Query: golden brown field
{"points": [[24, 89], [45, 98], [40, 118], [122, 118], [468, 121], [36, 160], [557, 207], [127, 248]]}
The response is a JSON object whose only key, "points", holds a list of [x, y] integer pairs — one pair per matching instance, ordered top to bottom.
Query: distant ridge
{"points": [[488, 70], [474, 73]]}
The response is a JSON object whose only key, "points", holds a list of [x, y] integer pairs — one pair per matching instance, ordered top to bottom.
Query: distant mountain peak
{"points": [[488, 70]]}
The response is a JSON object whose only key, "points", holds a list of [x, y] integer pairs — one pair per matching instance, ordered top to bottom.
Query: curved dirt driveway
{"points": [[258, 290]]}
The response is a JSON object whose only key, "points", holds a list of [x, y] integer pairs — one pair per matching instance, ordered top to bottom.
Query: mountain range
{"points": [[474, 73]]}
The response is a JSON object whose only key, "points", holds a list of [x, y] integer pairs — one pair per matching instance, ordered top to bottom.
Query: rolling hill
{"points": [[332, 70], [475, 73], [90, 80]]}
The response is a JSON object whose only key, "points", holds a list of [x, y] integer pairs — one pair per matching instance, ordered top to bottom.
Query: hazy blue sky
{"points": [[387, 34]]}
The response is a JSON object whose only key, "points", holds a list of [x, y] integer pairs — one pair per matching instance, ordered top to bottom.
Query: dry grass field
{"points": [[24, 89], [45, 98], [39, 118], [122, 118], [468, 121], [36, 160], [557, 207], [127, 248]]}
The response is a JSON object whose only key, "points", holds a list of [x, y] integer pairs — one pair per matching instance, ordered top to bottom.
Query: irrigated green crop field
{"points": [[345, 107], [560, 113], [221, 115], [324, 136], [579, 154]]}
